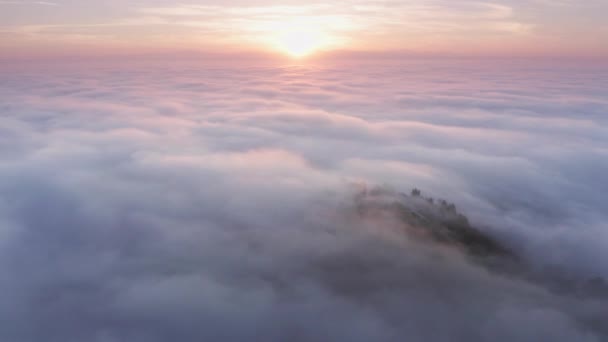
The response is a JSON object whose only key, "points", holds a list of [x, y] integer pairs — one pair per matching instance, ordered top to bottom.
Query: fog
{"points": [[201, 202]]}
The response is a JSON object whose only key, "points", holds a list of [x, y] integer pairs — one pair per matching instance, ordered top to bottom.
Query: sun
{"points": [[299, 37], [299, 43]]}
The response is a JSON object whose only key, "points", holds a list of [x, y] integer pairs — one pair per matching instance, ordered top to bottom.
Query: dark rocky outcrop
{"points": [[438, 221]]}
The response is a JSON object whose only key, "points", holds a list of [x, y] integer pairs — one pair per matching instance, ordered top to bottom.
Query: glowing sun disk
{"points": [[299, 37], [299, 43]]}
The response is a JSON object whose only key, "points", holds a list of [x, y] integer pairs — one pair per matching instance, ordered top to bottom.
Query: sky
{"points": [[557, 28]]}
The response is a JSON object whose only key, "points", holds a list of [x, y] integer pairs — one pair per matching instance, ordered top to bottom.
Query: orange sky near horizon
{"points": [[298, 29]]}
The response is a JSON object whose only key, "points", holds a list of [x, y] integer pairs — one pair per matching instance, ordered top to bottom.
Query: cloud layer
{"points": [[160, 203]]}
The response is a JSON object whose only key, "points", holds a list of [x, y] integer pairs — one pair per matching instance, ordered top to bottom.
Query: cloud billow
{"points": [[224, 203]]}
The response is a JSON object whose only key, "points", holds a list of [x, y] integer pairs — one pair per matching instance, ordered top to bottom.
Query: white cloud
{"points": [[215, 202]]}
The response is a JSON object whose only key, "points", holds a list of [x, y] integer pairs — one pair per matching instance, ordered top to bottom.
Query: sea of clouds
{"points": [[212, 202]]}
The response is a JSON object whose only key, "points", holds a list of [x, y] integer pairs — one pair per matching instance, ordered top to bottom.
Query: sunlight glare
{"points": [[300, 37], [299, 43]]}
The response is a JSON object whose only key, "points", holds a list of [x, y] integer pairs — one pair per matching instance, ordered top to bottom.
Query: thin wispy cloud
{"points": [[44, 3], [440, 27]]}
